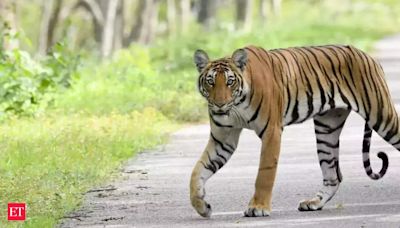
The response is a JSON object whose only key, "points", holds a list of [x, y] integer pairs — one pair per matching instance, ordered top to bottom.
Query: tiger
{"points": [[266, 90]]}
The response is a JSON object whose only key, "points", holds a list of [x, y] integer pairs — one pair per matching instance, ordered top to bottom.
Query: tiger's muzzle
{"points": [[220, 109]]}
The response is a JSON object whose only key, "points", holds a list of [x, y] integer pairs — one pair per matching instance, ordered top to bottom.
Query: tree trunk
{"points": [[103, 6], [276, 7], [47, 8], [263, 11], [207, 12], [244, 14], [50, 15], [184, 15], [97, 16], [171, 18], [108, 23], [152, 23], [8, 25], [119, 26], [137, 27], [109, 28], [144, 29]]}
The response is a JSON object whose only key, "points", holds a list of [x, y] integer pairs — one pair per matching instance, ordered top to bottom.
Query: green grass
{"points": [[132, 81], [130, 102], [49, 162]]}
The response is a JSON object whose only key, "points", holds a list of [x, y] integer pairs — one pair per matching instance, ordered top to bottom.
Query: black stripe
{"points": [[277, 51], [254, 53], [284, 58], [329, 59], [273, 64], [349, 69], [342, 76], [369, 80], [320, 87], [309, 91], [365, 95], [377, 95], [310, 98], [344, 98], [241, 100], [331, 101], [257, 111], [295, 111], [295, 114], [218, 123], [320, 124], [329, 129], [263, 130], [394, 131], [366, 142], [395, 143], [328, 144], [366, 145], [226, 147], [323, 152], [220, 155], [327, 161], [219, 163], [215, 164], [367, 164], [210, 167], [338, 173], [330, 184]]}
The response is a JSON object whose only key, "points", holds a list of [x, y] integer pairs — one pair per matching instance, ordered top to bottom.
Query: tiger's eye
{"points": [[210, 81], [230, 82]]}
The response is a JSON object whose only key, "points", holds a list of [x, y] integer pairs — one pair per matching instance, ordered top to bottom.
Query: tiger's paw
{"points": [[313, 204], [202, 207], [256, 212]]}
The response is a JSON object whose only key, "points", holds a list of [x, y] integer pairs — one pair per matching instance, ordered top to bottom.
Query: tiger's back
{"points": [[319, 78]]}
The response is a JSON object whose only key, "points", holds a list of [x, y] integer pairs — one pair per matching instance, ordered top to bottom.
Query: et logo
{"points": [[16, 212]]}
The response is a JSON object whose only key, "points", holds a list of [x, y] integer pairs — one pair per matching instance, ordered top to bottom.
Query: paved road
{"points": [[154, 188]]}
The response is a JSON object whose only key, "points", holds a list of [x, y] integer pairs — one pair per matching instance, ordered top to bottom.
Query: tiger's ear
{"points": [[239, 58], [200, 59]]}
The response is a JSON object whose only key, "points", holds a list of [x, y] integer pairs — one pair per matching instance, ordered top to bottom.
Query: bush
{"points": [[131, 80], [27, 86]]}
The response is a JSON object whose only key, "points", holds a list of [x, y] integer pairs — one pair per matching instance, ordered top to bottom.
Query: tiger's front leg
{"points": [[220, 147], [260, 204]]}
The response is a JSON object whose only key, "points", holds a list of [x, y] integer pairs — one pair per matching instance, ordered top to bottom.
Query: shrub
{"points": [[27, 86]]}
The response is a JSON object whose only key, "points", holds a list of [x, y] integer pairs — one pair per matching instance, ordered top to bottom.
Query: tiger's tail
{"points": [[365, 150]]}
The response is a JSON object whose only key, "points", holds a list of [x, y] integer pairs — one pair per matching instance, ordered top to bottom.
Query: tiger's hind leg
{"points": [[328, 127]]}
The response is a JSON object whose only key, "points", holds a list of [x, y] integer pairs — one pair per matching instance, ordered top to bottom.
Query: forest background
{"points": [[86, 84]]}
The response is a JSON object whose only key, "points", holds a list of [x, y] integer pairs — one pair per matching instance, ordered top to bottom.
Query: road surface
{"points": [[154, 188]]}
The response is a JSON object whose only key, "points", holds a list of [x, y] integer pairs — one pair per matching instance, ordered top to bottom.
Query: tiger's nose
{"points": [[219, 105]]}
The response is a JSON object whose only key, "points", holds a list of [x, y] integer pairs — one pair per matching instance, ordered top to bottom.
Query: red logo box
{"points": [[16, 211]]}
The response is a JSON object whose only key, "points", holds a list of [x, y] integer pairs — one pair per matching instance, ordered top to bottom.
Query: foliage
{"points": [[132, 81], [27, 86], [98, 114], [48, 162]]}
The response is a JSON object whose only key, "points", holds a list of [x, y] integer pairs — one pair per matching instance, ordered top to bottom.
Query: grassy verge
{"points": [[119, 107], [49, 162]]}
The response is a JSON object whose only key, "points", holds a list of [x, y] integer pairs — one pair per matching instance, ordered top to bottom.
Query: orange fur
{"points": [[275, 88]]}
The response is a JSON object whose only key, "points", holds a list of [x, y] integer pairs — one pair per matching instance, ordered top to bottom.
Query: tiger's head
{"points": [[221, 81]]}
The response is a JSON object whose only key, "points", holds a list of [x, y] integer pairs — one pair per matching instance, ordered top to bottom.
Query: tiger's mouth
{"points": [[220, 112]]}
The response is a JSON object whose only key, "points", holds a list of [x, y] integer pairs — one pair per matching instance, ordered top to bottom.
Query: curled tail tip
{"points": [[366, 149], [385, 162], [385, 165]]}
